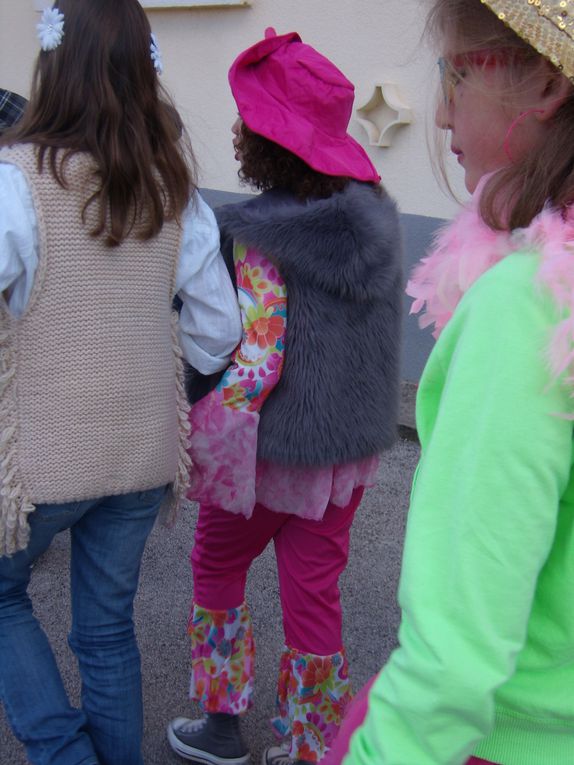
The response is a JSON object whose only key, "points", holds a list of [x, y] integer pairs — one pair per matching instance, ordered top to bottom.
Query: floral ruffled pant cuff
{"points": [[222, 659], [313, 691], [313, 694]]}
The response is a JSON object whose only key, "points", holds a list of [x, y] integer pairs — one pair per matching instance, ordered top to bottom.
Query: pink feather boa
{"points": [[466, 248]]}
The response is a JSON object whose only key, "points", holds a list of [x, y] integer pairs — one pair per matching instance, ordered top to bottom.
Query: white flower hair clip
{"points": [[51, 28], [156, 55]]}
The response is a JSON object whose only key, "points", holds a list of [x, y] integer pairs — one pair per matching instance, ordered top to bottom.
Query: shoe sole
{"points": [[280, 753], [199, 756]]}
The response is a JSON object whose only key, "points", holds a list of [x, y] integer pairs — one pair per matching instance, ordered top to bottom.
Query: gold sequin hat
{"points": [[547, 25]]}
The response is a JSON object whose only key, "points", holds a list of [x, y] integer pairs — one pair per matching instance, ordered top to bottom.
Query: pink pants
{"points": [[311, 555], [355, 715]]}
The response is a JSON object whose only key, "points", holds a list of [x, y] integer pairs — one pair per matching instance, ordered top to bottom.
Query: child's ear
{"points": [[557, 89]]}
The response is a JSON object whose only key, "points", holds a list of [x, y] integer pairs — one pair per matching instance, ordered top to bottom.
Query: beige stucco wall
{"points": [[372, 41]]}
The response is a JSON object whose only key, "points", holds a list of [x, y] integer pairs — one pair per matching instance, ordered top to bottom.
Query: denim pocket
{"points": [[151, 497], [56, 513]]}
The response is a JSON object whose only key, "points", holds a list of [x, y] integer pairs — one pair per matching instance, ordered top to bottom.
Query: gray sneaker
{"points": [[213, 740], [279, 755]]}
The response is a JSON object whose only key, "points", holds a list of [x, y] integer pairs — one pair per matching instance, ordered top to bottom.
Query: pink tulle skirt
{"points": [[227, 474], [306, 491]]}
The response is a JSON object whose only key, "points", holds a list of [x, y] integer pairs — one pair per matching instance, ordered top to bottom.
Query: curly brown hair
{"points": [[266, 165]]}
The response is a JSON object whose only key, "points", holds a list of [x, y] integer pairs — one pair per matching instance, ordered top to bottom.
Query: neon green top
{"points": [[486, 657]]}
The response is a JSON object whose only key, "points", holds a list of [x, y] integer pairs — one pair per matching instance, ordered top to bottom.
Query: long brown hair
{"points": [[98, 92], [517, 193]]}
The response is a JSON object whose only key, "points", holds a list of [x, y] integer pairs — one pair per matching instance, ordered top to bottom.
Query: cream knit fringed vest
{"points": [[91, 391]]}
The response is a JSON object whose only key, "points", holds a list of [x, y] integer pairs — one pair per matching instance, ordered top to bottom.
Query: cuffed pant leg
{"points": [[222, 644], [314, 687]]}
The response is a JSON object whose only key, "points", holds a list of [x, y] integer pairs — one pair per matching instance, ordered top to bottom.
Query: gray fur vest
{"points": [[340, 257]]}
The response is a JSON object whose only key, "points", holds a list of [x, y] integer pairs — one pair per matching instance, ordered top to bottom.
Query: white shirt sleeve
{"points": [[18, 238], [210, 321]]}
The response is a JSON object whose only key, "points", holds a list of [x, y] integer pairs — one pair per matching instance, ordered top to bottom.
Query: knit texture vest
{"points": [[91, 401]]}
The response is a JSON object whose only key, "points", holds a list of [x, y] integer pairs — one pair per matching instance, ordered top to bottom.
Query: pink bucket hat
{"points": [[289, 93]]}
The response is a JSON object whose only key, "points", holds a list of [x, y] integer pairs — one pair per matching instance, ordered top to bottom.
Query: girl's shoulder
{"points": [[22, 155], [15, 195], [356, 200], [356, 218], [349, 244], [466, 249], [524, 278], [508, 283]]}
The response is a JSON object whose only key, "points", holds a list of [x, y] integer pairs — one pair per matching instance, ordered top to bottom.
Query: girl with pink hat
{"points": [[285, 444], [485, 666]]}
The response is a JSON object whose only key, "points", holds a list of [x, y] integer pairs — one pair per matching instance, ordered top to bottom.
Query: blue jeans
{"points": [[108, 537]]}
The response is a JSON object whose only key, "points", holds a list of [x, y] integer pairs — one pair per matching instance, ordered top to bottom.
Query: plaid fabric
{"points": [[11, 108]]}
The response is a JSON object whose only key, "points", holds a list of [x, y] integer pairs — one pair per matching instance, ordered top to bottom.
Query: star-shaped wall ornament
{"points": [[383, 113]]}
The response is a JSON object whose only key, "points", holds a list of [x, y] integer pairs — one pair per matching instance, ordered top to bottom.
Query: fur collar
{"points": [[348, 244], [467, 248]]}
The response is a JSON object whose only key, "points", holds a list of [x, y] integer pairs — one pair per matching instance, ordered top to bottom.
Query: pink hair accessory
{"points": [[289, 93]]}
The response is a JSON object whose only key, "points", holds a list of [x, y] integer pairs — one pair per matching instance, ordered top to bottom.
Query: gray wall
{"points": [[418, 232]]}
